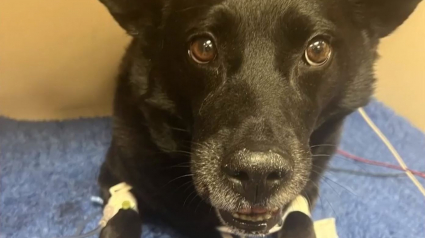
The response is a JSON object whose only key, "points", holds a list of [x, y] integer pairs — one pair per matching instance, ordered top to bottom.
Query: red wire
{"points": [[376, 163]]}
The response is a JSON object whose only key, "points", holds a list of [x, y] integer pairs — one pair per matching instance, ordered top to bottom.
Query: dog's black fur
{"points": [[175, 121]]}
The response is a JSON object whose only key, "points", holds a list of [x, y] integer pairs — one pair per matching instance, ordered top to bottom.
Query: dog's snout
{"points": [[255, 175]]}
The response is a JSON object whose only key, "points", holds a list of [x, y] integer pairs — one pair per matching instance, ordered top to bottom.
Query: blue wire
{"points": [[88, 234]]}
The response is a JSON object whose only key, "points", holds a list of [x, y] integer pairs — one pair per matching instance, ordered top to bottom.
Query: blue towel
{"points": [[48, 174]]}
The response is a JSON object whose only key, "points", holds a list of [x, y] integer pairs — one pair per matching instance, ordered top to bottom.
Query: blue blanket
{"points": [[48, 174]]}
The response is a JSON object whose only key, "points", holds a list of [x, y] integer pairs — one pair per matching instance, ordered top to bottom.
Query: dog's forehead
{"points": [[252, 9], [268, 11], [247, 16], [264, 16]]}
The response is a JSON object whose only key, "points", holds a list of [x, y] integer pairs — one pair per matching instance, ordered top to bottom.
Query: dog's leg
{"points": [[324, 142], [126, 223], [297, 225]]}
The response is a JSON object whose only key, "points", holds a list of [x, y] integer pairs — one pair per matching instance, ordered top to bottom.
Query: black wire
{"points": [[370, 174], [82, 224], [88, 234]]}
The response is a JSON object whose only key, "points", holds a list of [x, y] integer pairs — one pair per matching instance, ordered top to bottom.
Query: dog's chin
{"points": [[251, 224]]}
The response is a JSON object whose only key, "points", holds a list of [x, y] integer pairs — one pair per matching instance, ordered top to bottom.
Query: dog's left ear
{"points": [[135, 15], [384, 16]]}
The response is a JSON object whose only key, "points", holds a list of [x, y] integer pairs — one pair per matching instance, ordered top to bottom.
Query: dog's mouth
{"points": [[251, 221]]}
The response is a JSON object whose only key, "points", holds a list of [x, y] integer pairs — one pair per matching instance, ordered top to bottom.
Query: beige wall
{"points": [[58, 60], [401, 69]]}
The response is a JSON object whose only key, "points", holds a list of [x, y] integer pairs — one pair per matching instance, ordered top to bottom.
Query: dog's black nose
{"points": [[256, 175]]}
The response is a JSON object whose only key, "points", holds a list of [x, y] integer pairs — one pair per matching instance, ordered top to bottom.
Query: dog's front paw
{"points": [[125, 224], [297, 225]]}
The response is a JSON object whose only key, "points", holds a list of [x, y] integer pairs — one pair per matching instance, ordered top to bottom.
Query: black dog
{"points": [[226, 110]]}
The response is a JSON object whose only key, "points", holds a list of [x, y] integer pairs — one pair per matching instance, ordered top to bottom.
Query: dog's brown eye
{"points": [[202, 50], [318, 52]]}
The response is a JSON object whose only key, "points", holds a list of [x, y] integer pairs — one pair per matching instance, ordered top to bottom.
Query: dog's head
{"points": [[254, 79]]}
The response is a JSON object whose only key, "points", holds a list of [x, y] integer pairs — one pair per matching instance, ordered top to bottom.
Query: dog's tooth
{"points": [[275, 209], [253, 218]]}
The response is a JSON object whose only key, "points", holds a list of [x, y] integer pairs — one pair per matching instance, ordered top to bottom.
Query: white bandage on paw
{"points": [[121, 198], [300, 204], [323, 228]]}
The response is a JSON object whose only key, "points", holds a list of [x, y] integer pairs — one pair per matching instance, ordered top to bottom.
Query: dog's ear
{"points": [[134, 15], [384, 16]]}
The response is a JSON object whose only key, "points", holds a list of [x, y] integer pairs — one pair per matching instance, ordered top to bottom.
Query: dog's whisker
{"points": [[191, 8], [168, 126], [177, 129], [193, 143], [197, 143], [323, 145], [174, 151], [182, 152], [321, 155], [183, 163], [180, 165], [317, 166], [320, 168], [180, 177], [324, 180], [186, 184], [340, 185], [188, 187], [196, 195], [320, 197], [200, 202], [184, 203]]}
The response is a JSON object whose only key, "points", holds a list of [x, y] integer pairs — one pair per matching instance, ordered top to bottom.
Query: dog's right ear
{"points": [[135, 15], [383, 16]]}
